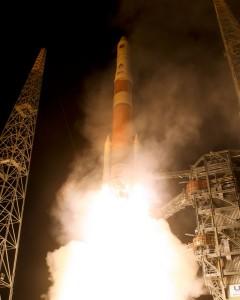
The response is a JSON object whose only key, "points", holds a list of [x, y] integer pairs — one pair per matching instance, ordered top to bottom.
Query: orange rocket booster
{"points": [[122, 128], [120, 147]]}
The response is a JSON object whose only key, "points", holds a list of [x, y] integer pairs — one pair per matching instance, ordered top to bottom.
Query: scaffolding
{"points": [[212, 188]]}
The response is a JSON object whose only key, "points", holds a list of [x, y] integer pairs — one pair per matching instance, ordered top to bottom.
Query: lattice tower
{"points": [[230, 31], [16, 142], [213, 189]]}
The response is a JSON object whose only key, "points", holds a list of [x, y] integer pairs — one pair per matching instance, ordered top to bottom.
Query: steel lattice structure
{"points": [[230, 31], [16, 144], [213, 189]]}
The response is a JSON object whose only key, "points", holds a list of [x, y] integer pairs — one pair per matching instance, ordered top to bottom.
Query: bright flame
{"points": [[124, 255]]}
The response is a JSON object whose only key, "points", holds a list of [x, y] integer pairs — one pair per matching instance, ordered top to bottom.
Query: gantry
{"points": [[213, 189]]}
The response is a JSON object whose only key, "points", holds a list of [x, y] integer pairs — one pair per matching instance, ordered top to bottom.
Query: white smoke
{"points": [[111, 248], [116, 250]]}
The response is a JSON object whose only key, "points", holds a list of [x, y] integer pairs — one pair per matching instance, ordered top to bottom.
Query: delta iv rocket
{"points": [[121, 147]]}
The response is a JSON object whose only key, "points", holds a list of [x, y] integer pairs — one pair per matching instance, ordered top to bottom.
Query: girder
{"points": [[230, 31], [16, 143], [212, 188], [175, 205]]}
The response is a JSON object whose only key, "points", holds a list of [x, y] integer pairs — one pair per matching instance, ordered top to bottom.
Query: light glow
{"points": [[125, 254]]}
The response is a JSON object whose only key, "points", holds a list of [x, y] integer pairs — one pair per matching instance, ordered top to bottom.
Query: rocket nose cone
{"points": [[123, 41]]}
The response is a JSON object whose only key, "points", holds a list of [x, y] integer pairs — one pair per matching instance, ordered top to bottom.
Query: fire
{"points": [[125, 254]]}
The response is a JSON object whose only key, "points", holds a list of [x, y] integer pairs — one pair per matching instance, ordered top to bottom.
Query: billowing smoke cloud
{"points": [[184, 93], [184, 106], [114, 248], [122, 253]]}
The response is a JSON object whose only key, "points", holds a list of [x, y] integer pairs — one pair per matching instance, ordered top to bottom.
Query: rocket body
{"points": [[122, 130], [119, 150]]}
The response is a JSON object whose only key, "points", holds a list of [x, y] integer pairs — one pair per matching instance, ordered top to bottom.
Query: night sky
{"points": [[183, 95]]}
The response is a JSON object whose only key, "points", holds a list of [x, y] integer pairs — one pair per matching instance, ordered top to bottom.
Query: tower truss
{"points": [[230, 31], [16, 143], [213, 189]]}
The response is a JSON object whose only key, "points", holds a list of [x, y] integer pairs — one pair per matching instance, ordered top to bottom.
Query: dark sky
{"points": [[184, 95]]}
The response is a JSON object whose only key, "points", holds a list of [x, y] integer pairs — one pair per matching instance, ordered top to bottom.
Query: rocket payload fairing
{"points": [[121, 147]]}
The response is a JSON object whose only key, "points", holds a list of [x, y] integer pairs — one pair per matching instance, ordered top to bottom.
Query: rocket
{"points": [[122, 145]]}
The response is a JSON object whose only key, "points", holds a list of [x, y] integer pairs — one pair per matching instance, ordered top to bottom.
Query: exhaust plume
{"points": [[112, 247], [123, 253]]}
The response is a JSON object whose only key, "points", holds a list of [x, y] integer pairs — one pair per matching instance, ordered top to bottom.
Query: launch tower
{"points": [[230, 31], [16, 143], [213, 189]]}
